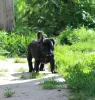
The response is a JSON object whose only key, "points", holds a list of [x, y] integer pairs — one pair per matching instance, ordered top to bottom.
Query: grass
{"points": [[2, 58], [19, 60], [76, 62], [4, 70], [22, 70], [2, 74], [32, 75], [36, 75], [22, 77], [52, 84], [8, 92]]}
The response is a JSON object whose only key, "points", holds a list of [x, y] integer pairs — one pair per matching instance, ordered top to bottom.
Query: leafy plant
{"points": [[53, 16], [71, 36], [15, 45], [2, 58], [19, 60], [76, 62], [4, 70], [22, 70], [2, 74], [32, 75], [36, 75], [22, 77], [51, 84], [8, 92]]}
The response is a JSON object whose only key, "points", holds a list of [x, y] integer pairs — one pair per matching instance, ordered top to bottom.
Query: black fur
{"points": [[42, 51]]}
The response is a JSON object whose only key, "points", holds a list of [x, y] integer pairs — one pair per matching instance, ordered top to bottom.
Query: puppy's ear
{"points": [[39, 35], [40, 40], [52, 40]]}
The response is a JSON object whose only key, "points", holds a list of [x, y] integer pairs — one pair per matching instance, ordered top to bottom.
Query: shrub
{"points": [[82, 34], [15, 45], [77, 61], [77, 67]]}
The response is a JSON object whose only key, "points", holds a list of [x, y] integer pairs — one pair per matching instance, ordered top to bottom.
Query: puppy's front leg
{"points": [[52, 64], [36, 66], [42, 67]]}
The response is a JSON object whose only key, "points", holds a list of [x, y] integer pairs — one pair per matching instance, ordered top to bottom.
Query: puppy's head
{"points": [[47, 46]]}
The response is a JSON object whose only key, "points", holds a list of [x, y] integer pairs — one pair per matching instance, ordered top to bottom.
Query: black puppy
{"points": [[42, 51]]}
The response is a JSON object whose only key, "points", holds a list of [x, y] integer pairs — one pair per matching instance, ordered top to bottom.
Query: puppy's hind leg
{"points": [[29, 59], [37, 65], [42, 67]]}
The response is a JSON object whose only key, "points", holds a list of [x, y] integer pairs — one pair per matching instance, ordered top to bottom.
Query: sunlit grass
{"points": [[2, 58], [19, 60], [4, 70], [22, 70], [2, 74], [32, 75], [52, 84], [8, 92]]}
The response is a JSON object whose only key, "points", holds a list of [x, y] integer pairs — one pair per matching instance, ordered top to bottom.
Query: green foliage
{"points": [[52, 16], [70, 36], [15, 45], [2, 57], [19, 60], [77, 61], [78, 69], [4, 70], [22, 70], [2, 74], [32, 75], [36, 75], [51, 84], [8, 92], [79, 96]]}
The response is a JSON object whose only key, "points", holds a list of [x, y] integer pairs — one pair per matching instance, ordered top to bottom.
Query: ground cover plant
{"points": [[13, 45], [19, 60], [77, 61], [3, 70], [22, 70], [2, 74], [32, 75], [36, 75], [52, 84], [8, 92]]}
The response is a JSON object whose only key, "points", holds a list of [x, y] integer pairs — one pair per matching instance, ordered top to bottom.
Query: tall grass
{"points": [[82, 34], [15, 45], [77, 61]]}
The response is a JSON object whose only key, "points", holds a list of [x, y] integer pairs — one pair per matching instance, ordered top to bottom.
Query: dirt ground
{"points": [[28, 89]]}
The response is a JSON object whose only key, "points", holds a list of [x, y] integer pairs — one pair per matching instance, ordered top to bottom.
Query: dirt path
{"points": [[28, 89]]}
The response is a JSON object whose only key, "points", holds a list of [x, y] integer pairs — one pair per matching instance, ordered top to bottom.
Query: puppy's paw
{"points": [[42, 69], [31, 70], [54, 72]]}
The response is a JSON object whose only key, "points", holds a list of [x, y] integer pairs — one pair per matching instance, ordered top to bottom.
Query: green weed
{"points": [[71, 36], [13, 44], [2, 58], [19, 60], [77, 62], [4, 70], [22, 70], [2, 74], [32, 75], [36, 75], [22, 77], [51, 84], [8, 92]]}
